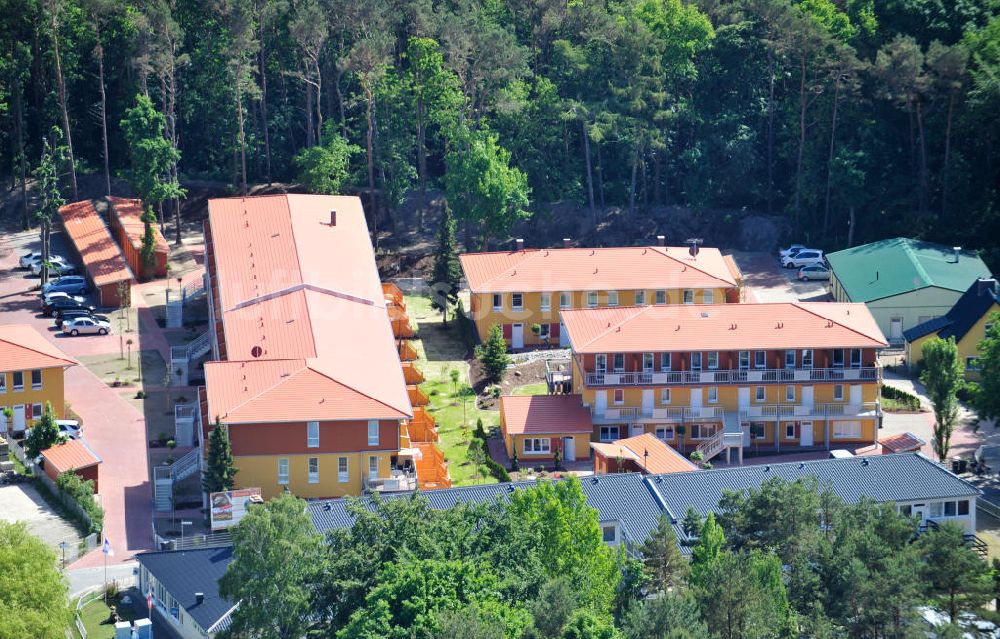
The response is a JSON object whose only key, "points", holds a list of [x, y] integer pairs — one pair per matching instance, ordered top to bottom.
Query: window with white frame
{"points": [[688, 296], [708, 296], [661, 297], [612, 298], [640, 298], [592, 299], [564, 300], [517, 301], [546, 301], [497, 302], [543, 331], [807, 358], [838, 358], [855, 358], [760, 359], [790, 359], [648, 360], [713, 360], [744, 360], [665, 361], [696, 361], [619, 362], [601, 363], [36, 379], [18, 380], [3, 382], [838, 392], [790, 393], [713, 394], [759, 394], [664, 395], [619, 396], [36, 411], [757, 430], [790, 430], [846, 430], [703, 431], [373, 432], [609, 433], [665, 433], [312, 434], [537, 446], [373, 468], [314, 470], [343, 470], [283, 471], [609, 533]]}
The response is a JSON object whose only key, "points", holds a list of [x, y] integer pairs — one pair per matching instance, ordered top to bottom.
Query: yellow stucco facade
{"points": [[543, 308], [968, 346], [27, 399], [581, 446], [266, 472]]}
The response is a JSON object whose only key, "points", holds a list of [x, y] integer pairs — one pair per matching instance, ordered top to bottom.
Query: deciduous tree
{"points": [[942, 376], [33, 601]]}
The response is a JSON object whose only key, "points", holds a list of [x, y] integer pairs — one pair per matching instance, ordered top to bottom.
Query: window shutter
{"points": [[554, 329], [508, 331], [798, 430], [555, 444]]}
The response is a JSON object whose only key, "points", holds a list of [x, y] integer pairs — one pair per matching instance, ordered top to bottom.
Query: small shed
{"points": [[126, 223], [103, 262], [534, 427], [901, 443], [72, 455]]}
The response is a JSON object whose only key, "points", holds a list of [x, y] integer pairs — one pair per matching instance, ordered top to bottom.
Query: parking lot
{"points": [[767, 281], [22, 502]]}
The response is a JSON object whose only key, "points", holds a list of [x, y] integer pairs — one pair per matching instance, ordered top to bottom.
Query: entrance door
{"points": [[896, 329], [517, 336], [563, 337], [856, 395], [744, 397], [647, 402], [696, 402], [600, 403], [18, 418], [3, 423], [806, 434], [569, 449], [373, 468]]}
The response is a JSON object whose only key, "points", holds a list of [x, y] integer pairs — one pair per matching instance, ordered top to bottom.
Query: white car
{"points": [[791, 250], [805, 257], [28, 258], [57, 261], [814, 272], [86, 326], [69, 428]]}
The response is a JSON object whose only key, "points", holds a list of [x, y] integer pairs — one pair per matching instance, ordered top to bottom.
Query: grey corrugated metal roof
{"points": [[882, 478], [185, 572]]}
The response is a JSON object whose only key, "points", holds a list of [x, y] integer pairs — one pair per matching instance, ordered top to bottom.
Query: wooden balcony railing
{"points": [[394, 294], [401, 327], [406, 351], [412, 374], [734, 376], [417, 396], [422, 427], [432, 470]]}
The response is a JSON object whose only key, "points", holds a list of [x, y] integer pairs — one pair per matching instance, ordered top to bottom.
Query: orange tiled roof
{"points": [[129, 212], [101, 256], [583, 269], [297, 289], [690, 327], [24, 348], [544, 414], [901, 443], [70, 454], [661, 459]]}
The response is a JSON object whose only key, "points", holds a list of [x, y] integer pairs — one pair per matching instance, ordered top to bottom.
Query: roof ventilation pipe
{"points": [[333, 217], [661, 240], [566, 242], [520, 244], [958, 252], [199, 598]]}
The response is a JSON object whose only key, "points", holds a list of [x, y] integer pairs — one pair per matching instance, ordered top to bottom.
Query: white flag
{"points": [[107, 549]]}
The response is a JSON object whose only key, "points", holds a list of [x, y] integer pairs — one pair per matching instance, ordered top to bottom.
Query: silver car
{"points": [[57, 264], [814, 272], [86, 326]]}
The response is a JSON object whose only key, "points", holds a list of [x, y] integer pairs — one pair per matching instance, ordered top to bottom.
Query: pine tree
{"points": [[47, 173], [447, 273], [492, 354], [43, 435], [220, 474], [711, 544], [664, 563]]}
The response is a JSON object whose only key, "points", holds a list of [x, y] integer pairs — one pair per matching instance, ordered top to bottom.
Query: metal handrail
{"points": [[732, 376]]}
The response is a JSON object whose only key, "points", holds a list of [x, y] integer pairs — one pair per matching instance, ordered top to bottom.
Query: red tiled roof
{"points": [[129, 212], [101, 256], [583, 269], [295, 288], [689, 327], [24, 348], [544, 414], [902, 443], [70, 454], [661, 459]]}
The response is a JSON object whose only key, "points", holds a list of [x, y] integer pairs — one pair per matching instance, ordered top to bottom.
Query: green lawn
{"points": [[441, 351], [538, 388], [95, 612]]}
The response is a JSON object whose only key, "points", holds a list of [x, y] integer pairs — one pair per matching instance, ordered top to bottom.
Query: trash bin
{"points": [[954, 466], [963, 466]]}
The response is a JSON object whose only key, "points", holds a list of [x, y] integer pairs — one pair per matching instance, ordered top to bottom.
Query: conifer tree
{"points": [[447, 273], [492, 354], [220, 474], [664, 563]]}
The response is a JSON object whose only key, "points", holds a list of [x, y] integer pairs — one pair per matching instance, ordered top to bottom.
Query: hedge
{"points": [[909, 400], [82, 492]]}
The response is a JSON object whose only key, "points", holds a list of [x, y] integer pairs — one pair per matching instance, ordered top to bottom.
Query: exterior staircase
{"points": [[176, 302], [181, 357], [164, 478]]}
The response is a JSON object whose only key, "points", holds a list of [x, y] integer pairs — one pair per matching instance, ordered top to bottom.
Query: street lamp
{"points": [[62, 546]]}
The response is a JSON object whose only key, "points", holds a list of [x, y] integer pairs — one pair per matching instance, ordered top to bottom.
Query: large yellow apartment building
{"points": [[525, 291], [31, 373], [730, 377]]}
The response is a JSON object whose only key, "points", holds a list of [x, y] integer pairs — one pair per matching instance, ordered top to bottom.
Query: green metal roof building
{"points": [[904, 282]]}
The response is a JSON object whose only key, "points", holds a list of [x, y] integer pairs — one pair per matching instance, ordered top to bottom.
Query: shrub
{"points": [[906, 399], [479, 442], [82, 492]]}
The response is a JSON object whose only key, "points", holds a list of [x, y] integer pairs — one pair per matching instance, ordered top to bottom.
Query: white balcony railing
{"points": [[734, 376], [772, 412], [670, 414]]}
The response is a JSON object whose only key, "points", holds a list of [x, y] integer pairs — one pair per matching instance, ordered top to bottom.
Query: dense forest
{"points": [[852, 119]]}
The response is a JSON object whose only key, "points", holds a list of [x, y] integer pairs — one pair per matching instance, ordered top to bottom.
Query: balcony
{"points": [[734, 376], [775, 412], [667, 415], [400, 481]]}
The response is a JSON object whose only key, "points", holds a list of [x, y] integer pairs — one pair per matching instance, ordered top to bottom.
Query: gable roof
{"points": [[129, 213], [89, 234], [900, 265], [584, 269], [303, 313], [961, 317], [721, 327], [24, 348], [544, 414], [902, 443], [70, 454], [662, 458], [882, 478], [185, 572]]}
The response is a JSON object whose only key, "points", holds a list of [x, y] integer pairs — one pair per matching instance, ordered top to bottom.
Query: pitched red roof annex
{"points": [[129, 212], [100, 254], [544, 414], [69, 455], [661, 457]]}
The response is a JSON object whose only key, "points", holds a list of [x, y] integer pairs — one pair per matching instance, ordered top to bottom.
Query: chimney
{"points": [[333, 217], [661, 240], [566, 242], [520, 244], [958, 252], [986, 286], [199, 598]]}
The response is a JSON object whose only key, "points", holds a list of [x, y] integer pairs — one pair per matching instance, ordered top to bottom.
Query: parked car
{"points": [[791, 250], [28, 258], [803, 258], [57, 264], [814, 272], [72, 284], [47, 299], [61, 304], [67, 315], [86, 326], [69, 428]]}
